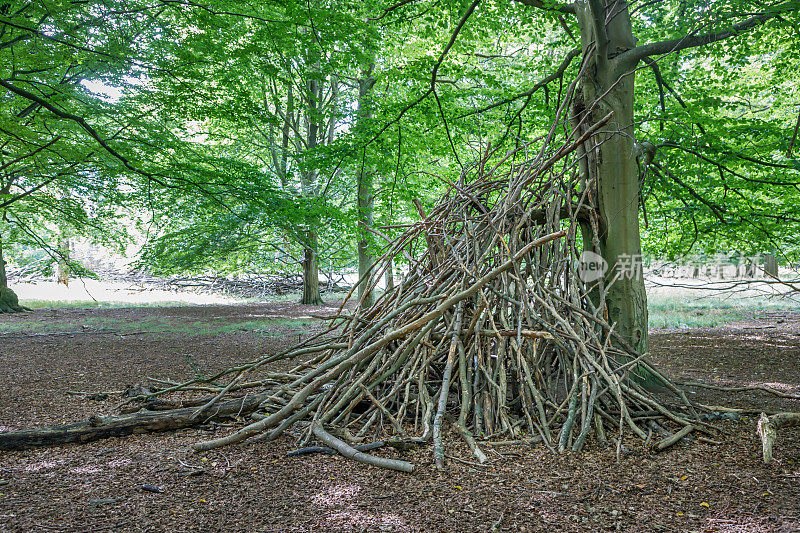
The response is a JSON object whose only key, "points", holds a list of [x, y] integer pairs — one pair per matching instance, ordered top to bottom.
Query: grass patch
{"points": [[91, 304], [680, 311]]}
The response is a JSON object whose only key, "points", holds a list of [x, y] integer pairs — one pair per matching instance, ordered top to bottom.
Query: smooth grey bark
{"points": [[610, 168], [365, 186], [63, 262], [770, 265], [390, 276], [311, 294], [9, 303]]}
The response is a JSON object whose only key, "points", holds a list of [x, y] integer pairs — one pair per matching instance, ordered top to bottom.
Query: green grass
{"points": [[91, 304], [709, 311]]}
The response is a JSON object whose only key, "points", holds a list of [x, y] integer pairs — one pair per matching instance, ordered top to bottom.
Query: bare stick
{"points": [[351, 453]]}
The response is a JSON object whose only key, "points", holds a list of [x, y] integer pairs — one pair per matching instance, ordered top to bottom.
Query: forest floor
{"points": [[98, 486]]}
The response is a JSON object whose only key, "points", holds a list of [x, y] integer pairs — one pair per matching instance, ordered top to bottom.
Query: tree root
{"points": [[9, 303]]}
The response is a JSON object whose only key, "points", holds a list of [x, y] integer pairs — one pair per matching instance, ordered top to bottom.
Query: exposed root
{"points": [[9, 303]]}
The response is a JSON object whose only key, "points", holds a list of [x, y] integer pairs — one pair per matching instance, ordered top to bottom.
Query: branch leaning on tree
{"points": [[571, 55], [436, 66]]}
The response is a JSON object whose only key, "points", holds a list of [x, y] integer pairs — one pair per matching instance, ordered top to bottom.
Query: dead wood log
{"points": [[144, 421], [768, 427]]}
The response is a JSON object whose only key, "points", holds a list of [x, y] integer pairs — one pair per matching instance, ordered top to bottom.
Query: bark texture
{"points": [[610, 169], [365, 186], [63, 262], [311, 295], [9, 303], [144, 421], [768, 427]]}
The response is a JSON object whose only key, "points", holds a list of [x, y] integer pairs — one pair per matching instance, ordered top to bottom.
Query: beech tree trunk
{"points": [[610, 169], [365, 186], [63, 262], [770, 265], [390, 276], [311, 295], [9, 303]]}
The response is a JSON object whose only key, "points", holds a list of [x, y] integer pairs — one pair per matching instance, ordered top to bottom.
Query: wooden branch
{"points": [[389, 9], [567, 9], [598, 11], [452, 40], [572, 54], [628, 60], [435, 70], [662, 84], [74, 118], [794, 136], [715, 209], [764, 388], [768, 427], [97, 428], [672, 439], [308, 450], [351, 453]]}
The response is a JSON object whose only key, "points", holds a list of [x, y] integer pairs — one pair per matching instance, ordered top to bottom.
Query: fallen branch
{"points": [[60, 333], [762, 388], [768, 427], [97, 428], [669, 441], [308, 450], [351, 453]]}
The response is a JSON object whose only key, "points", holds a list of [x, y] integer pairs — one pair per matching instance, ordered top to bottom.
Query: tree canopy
{"points": [[240, 133]]}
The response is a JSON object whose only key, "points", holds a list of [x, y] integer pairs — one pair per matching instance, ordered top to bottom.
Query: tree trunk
{"points": [[610, 169], [365, 187], [63, 262], [770, 265], [390, 276], [311, 294], [9, 303]]}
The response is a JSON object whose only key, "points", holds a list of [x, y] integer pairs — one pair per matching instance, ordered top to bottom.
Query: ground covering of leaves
{"points": [[99, 486]]}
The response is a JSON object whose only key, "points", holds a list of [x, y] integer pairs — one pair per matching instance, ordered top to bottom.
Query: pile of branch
{"points": [[253, 286], [491, 332]]}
